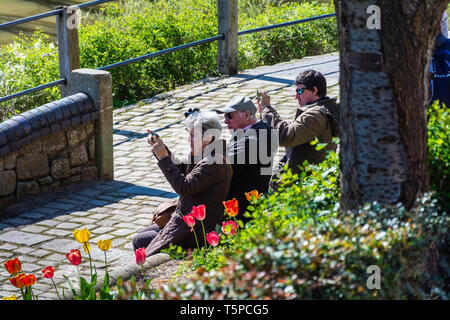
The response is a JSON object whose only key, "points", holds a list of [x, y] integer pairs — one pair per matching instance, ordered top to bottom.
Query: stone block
{"points": [[98, 85], [90, 129], [76, 135], [54, 143], [32, 148], [78, 155], [10, 160], [32, 166], [60, 168], [89, 174], [45, 180], [8, 181], [27, 188], [23, 238]]}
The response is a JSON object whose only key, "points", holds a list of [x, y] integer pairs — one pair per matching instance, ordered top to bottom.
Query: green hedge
{"points": [[128, 29], [287, 43], [26, 63]]}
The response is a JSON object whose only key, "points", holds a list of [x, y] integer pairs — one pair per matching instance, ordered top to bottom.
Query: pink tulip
{"points": [[199, 212], [189, 219], [213, 238], [140, 256]]}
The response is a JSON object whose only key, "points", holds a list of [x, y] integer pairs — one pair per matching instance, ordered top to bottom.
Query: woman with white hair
{"points": [[204, 180]]}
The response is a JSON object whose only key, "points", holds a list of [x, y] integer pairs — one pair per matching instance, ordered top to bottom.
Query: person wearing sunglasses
{"points": [[315, 117], [250, 150]]}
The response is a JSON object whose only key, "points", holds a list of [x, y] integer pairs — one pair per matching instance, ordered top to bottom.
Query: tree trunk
{"points": [[384, 83]]}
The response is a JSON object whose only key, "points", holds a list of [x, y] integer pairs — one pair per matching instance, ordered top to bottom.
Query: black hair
{"points": [[311, 79]]}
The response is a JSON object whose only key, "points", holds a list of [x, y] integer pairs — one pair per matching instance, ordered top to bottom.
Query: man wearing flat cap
{"points": [[250, 150]]}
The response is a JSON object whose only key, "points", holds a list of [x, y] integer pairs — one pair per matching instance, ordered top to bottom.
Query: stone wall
{"points": [[63, 142], [47, 148], [49, 163]]}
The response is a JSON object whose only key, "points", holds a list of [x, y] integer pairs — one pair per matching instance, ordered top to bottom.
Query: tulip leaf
{"points": [[94, 278], [147, 284], [71, 286], [85, 289], [104, 291]]}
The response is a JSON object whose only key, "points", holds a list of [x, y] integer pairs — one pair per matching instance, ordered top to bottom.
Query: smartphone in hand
{"points": [[258, 95], [154, 135]]}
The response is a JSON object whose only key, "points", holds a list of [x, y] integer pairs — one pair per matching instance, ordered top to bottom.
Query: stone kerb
{"points": [[60, 143]]}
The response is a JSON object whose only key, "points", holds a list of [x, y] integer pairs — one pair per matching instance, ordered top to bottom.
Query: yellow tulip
{"points": [[82, 236], [104, 245], [87, 247], [13, 297]]}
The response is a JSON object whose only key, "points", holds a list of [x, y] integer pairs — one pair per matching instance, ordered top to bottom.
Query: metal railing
{"points": [[64, 60]]}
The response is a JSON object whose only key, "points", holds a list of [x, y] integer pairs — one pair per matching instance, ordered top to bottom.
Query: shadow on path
{"points": [[73, 198]]}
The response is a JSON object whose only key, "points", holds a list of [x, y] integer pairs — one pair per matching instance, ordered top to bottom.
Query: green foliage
{"points": [[256, 7], [127, 29], [122, 32], [287, 43], [26, 63], [439, 151], [298, 247], [330, 260], [87, 289]]}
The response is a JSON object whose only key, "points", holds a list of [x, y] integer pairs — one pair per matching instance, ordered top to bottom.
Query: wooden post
{"points": [[67, 23], [228, 25]]}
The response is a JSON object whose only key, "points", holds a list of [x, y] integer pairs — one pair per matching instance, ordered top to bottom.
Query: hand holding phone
{"points": [[258, 95], [154, 136]]}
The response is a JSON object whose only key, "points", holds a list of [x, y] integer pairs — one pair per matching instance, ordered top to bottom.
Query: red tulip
{"points": [[231, 207], [199, 212], [189, 219], [229, 227], [213, 238], [140, 256], [74, 257], [13, 266], [48, 272], [23, 280], [29, 280], [18, 281]]}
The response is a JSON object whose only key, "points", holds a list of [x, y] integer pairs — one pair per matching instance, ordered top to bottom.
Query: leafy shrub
{"points": [[128, 29], [122, 33], [287, 43], [26, 63], [439, 152], [298, 247], [330, 260]]}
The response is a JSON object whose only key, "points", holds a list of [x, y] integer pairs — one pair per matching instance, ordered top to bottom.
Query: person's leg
{"points": [[145, 236]]}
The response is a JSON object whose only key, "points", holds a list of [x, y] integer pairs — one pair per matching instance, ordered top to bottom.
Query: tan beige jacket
{"points": [[311, 121]]}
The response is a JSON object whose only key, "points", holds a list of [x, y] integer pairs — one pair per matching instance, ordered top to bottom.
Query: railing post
{"points": [[67, 23], [227, 25], [97, 84]]}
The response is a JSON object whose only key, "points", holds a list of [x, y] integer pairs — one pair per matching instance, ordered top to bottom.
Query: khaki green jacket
{"points": [[311, 121]]}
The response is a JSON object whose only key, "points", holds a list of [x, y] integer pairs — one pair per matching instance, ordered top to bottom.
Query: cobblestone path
{"points": [[117, 209]]}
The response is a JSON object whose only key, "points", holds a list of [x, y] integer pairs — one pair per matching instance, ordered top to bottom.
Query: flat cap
{"points": [[239, 103]]}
